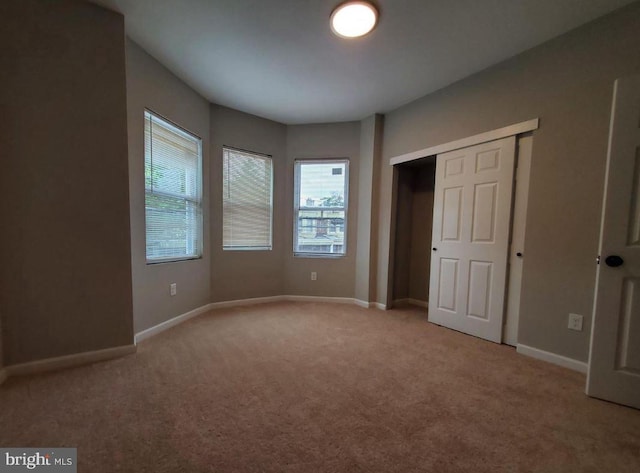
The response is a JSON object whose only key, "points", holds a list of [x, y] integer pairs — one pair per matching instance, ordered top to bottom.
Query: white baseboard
{"points": [[292, 298], [335, 300], [409, 301], [241, 302], [400, 302], [361, 303], [418, 303], [369, 305], [179, 319], [161, 327], [150, 332], [549, 357], [69, 361], [3, 375]]}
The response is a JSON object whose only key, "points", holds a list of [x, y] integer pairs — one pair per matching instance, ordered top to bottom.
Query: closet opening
{"points": [[414, 219]]}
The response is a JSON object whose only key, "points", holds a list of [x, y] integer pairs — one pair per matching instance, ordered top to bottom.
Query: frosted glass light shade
{"points": [[354, 19]]}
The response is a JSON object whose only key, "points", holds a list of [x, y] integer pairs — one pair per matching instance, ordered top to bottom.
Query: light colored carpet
{"points": [[310, 387]]}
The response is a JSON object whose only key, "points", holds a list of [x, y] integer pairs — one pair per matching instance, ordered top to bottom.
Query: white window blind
{"points": [[173, 191], [247, 200], [321, 202]]}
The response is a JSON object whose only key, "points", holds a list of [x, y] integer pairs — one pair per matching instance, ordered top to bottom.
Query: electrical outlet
{"points": [[314, 276], [173, 289], [575, 322]]}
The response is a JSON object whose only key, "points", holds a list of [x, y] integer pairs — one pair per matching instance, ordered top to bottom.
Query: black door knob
{"points": [[434, 249], [614, 261]]}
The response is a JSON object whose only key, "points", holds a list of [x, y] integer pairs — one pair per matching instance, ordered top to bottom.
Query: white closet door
{"points": [[470, 240]]}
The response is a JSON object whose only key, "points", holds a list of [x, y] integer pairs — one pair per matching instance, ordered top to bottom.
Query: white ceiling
{"points": [[278, 58]]}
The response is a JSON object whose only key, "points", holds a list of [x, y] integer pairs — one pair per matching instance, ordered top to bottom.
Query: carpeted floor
{"points": [[310, 387]]}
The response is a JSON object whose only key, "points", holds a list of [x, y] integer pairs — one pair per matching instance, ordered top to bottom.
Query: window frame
{"points": [[257, 156], [297, 163], [198, 200]]}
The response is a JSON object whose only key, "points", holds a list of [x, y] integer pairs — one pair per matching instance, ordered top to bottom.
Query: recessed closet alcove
{"points": [[414, 218]]}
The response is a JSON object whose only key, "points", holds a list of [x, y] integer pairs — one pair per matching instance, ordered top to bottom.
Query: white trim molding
{"points": [[511, 130], [293, 298], [334, 300], [410, 301], [242, 302], [418, 303], [364, 304], [167, 324], [161, 327], [549, 357], [69, 361]]}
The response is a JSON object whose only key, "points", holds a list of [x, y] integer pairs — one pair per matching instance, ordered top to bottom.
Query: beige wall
{"points": [[567, 83], [150, 85], [65, 250], [247, 274], [336, 276]]}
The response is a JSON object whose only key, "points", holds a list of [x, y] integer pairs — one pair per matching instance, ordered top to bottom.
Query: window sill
{"points": [[247, 248], [319, 255], [173, 260]]}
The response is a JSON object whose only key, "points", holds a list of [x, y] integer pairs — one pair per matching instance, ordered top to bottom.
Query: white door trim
{"points": [[511, 130], [518, 227]]}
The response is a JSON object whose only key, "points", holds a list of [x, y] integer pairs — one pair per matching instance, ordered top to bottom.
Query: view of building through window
{"points": [[321, 200]]}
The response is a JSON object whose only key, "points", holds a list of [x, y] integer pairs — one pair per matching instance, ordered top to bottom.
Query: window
{"points": [[173, 191], [321, 196], [247, 200]]}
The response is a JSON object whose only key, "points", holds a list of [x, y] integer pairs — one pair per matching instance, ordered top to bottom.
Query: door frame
{"points": [[524, 151], [519, 208]]}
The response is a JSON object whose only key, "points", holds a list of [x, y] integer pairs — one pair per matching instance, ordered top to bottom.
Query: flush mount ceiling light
{"points": [[353, 19]]}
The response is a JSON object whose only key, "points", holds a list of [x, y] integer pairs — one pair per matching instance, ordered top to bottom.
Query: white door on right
{"points": [[470, 238], [614, 360]]}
